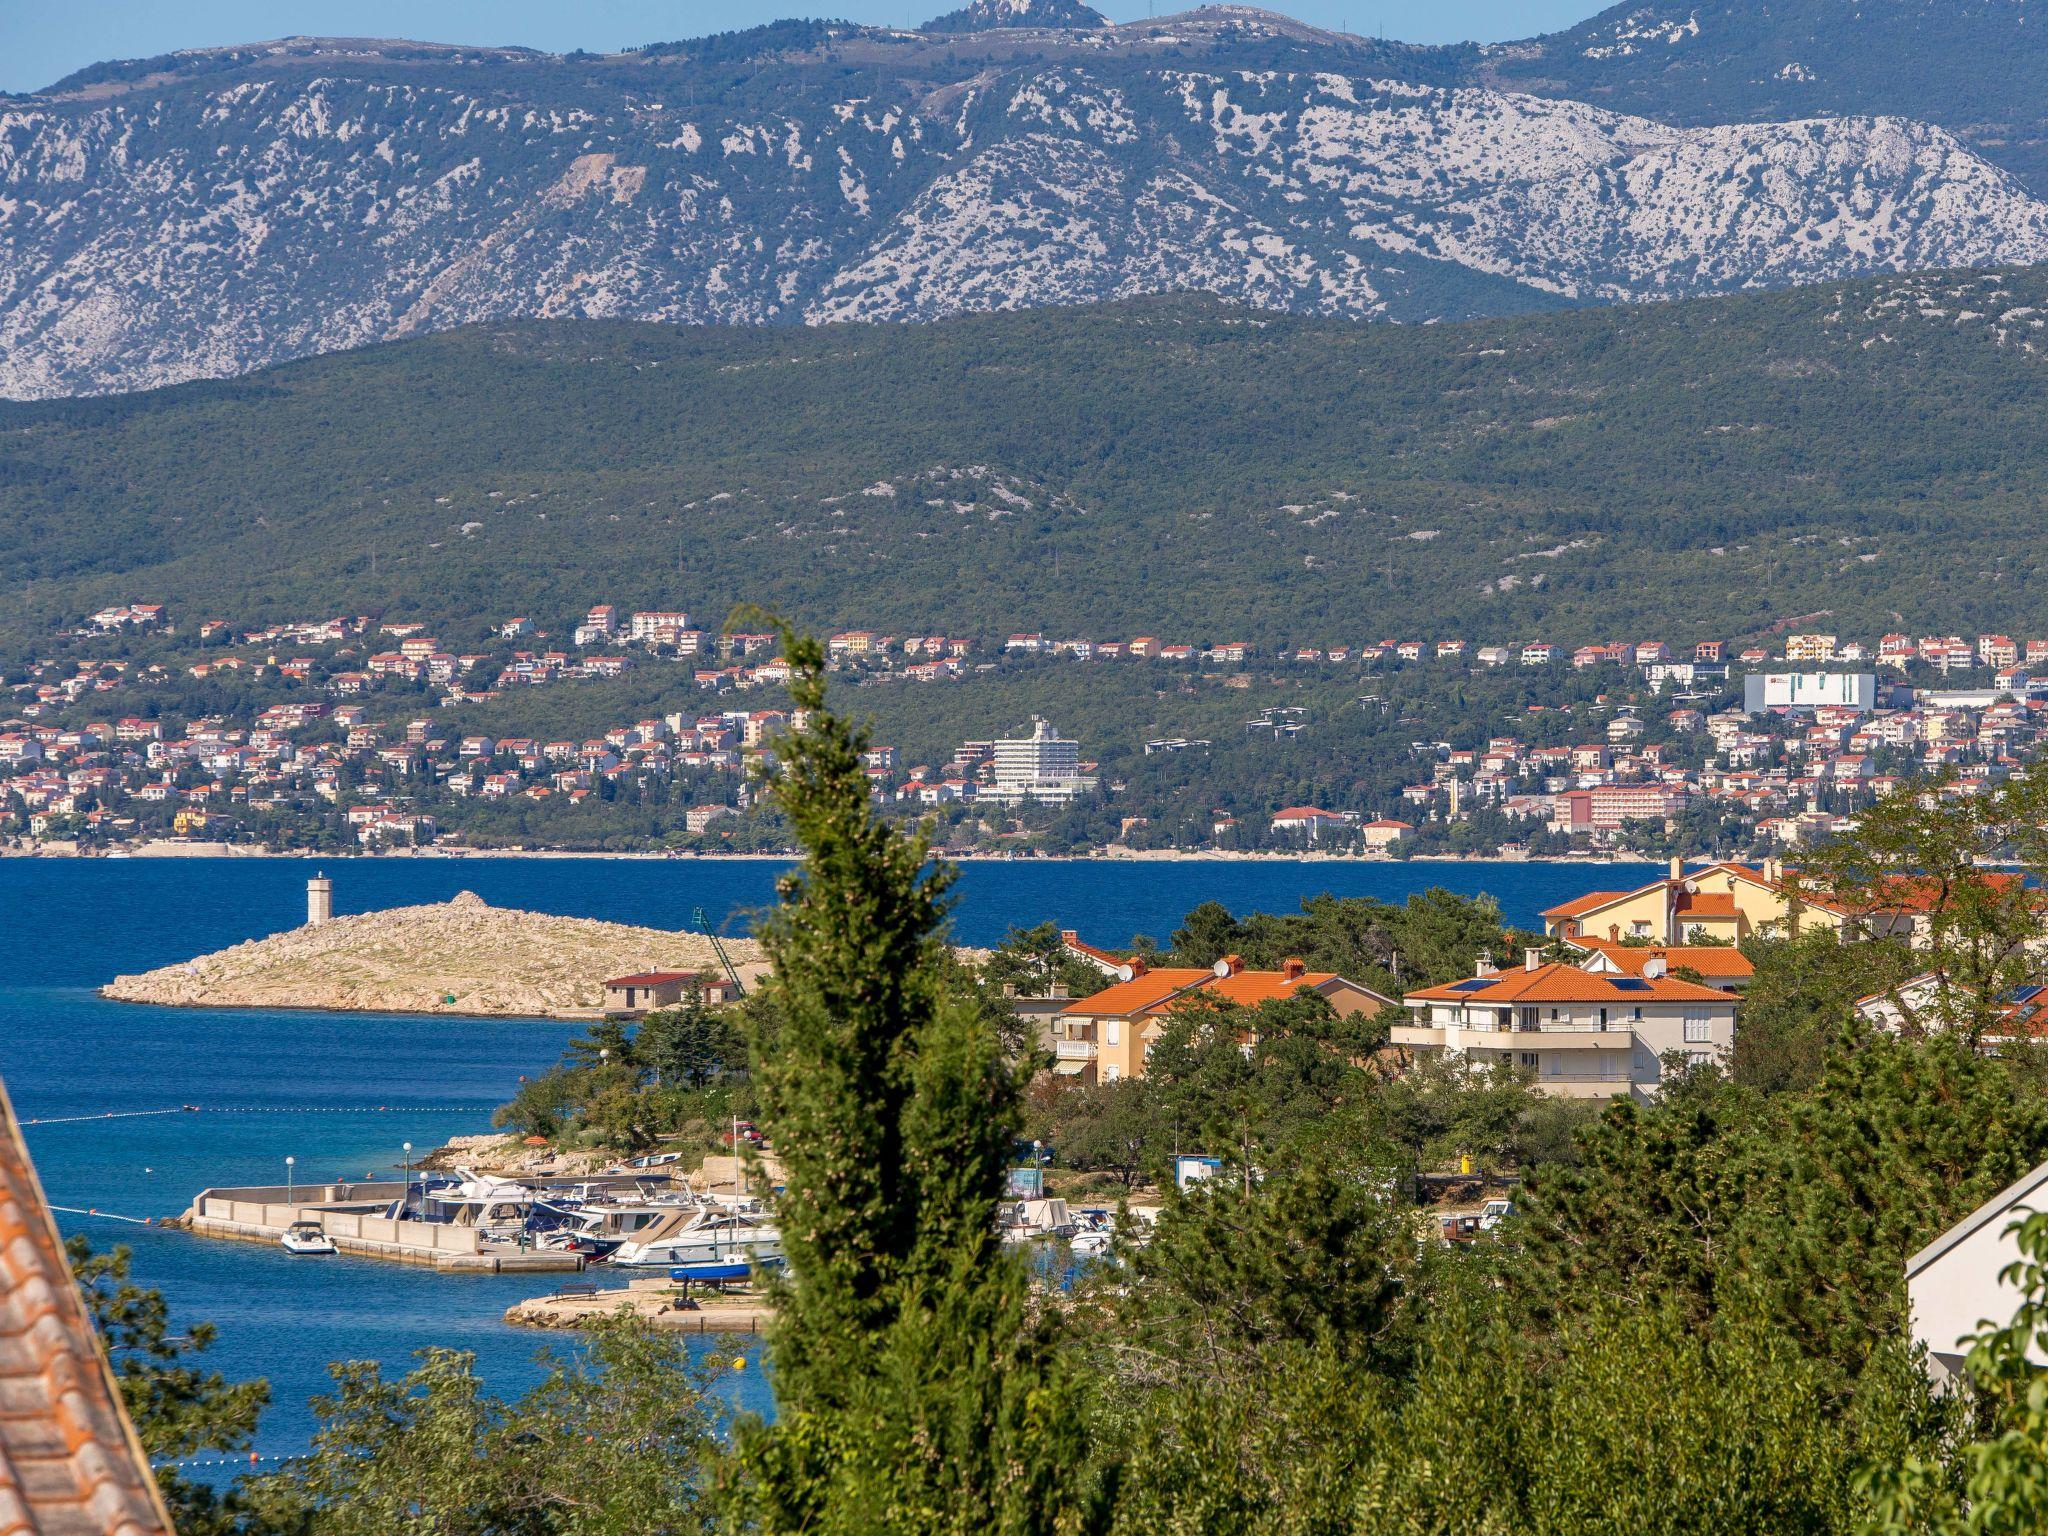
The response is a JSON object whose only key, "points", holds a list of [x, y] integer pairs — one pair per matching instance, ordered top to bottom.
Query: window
{"points": [[1640, 930], [1637, 1014], [1603, 1018], [1698, 1027], [1115, 1033], [1529, 1058], [1111, 1073]]}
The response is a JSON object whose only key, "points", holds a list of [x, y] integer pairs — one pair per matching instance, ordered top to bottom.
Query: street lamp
{"points": [[288, 1162], [1038, 1168], [407, 1200]]}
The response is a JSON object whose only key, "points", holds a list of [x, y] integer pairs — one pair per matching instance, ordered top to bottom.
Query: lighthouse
{"points": [[319, 900]]}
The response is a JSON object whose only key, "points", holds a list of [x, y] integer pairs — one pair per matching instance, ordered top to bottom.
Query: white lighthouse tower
{"points": [[319, 900]]}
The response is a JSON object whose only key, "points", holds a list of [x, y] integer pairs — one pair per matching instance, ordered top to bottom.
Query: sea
{"points": [[130, 1109]]}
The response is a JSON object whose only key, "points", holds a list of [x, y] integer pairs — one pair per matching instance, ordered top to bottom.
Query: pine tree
{"points": [[914, 1391]]}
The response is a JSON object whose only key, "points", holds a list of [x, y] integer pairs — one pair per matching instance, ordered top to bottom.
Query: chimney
{"points": [[1677, 867], [1774, 870], [1069, 935], [1532, 959], [1137, 966], [1485, 967], [1292, 968]]}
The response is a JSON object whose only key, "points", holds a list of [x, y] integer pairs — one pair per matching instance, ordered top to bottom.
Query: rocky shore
{"points": [[457, 957]]}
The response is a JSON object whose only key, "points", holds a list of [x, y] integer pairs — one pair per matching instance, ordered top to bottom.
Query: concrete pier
{"points": [[351, 1216]]}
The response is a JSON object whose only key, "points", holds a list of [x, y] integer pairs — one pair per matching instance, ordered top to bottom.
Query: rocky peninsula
{"points": [[457, 957]]}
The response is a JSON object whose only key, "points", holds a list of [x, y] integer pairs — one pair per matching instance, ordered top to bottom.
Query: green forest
{"points": [[1709, 468]]}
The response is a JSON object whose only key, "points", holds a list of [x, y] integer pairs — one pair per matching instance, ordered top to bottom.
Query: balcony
{"points": [[1074, 1050]]}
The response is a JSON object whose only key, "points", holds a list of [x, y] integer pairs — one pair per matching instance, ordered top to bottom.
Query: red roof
{"points": [[1589, 902], [1707, 959], [1557, 982], [1154, 990]]}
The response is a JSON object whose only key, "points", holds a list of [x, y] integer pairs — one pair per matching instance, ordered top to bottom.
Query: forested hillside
{"points": [[1868, 451]]}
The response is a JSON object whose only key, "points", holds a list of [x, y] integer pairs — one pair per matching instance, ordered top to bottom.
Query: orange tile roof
{"points": [[1591, 901], [1705, 904], [1707, 959], [1557, 982], [1254, 987], [1162, 988], [1126, 998], [70, 1464]]}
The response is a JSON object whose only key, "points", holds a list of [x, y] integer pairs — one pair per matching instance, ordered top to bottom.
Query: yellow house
{"points": [[1720, 903], [1109, 1035]]}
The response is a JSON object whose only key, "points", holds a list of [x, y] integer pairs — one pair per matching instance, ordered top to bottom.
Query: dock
{"points": [[352, 1217], [652, 1299]]}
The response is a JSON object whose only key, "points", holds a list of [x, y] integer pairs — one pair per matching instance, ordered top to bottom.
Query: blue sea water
{"points": [[342, 1093]]}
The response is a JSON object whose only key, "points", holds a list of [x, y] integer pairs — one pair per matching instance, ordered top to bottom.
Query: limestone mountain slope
{"points": [[209, 213]]}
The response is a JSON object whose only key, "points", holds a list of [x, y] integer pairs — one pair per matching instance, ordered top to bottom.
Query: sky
{"points": [[41, 41]]}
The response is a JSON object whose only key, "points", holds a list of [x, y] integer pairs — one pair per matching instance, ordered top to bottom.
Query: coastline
{"points": [[236, 852]]}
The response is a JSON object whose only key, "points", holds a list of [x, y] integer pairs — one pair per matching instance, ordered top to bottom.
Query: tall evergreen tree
{"points": [[915, 1391]]}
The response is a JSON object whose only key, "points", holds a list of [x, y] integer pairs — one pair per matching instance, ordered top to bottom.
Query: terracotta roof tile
{"points": [[1557, 982], [70, 1464]]}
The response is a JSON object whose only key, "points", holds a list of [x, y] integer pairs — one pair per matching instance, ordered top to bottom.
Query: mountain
{"points": [[1972, 66], [206, 213], [1865, 453]]}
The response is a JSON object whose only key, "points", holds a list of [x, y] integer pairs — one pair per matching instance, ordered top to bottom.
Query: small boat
{"points": [[1094, 1231], [597, 1232], [306, 1237], [711, 1274]]}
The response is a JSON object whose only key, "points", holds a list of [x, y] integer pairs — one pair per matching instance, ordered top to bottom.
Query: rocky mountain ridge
{"points": [[208, 213]]}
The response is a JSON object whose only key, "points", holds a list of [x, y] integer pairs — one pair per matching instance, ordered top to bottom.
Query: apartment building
{"points": [[1577, 1033]]}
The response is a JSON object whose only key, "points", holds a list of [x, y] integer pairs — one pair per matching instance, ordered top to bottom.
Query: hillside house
{"points": [[1578, 1034]]}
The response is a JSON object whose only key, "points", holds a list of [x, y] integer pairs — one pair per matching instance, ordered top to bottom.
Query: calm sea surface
{"points": [[342, 1093]]}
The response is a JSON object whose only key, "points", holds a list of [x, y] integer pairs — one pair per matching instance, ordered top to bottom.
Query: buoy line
{"points": [[267, 1109]]}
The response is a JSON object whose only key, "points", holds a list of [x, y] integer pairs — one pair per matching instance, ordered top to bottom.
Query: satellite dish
{"points": [[1221, 968], [1124, 973]]}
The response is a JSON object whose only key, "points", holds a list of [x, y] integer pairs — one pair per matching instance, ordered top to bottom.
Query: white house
{"points": [[1580, 1034], [1953, 1285]]}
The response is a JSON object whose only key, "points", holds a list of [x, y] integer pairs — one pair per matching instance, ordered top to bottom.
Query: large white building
{"points": [[1766, 691], [1041, 766], [1579, 1034]]}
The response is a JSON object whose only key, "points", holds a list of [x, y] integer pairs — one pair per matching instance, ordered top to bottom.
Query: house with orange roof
{"points": [[1725, 902], [1721, 966], [1576, 1033], [1109, 1035]]}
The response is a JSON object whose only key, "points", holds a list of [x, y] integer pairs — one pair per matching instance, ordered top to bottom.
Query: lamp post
{"points": [[1038, 1169], [289, 1198], [406, 1199]]}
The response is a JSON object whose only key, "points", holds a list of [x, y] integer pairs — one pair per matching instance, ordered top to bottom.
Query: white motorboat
{"points": [[498, 1208], [703, 1236], [306, 1237]]}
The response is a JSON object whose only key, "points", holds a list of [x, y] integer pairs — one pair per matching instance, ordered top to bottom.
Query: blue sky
{"points": [[43, 40]]}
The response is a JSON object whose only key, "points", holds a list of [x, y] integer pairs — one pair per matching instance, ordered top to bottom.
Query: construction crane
{"points": [[739, 988]]}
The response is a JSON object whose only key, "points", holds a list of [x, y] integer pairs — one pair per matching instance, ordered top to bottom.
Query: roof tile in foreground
{"points": [[70, 1464]]}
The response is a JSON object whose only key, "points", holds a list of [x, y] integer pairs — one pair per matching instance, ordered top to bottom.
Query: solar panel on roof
{"points": [[1476, 984], [1629, 984]]}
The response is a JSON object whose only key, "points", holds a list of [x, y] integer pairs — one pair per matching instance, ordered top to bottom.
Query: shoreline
{"points": [[226, 852]]}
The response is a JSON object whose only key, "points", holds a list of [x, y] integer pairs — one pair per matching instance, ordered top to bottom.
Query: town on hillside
{"points": [[132, 727]]}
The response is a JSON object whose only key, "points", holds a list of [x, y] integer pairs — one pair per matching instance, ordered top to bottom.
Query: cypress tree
{"points": [[915, 1391]]}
